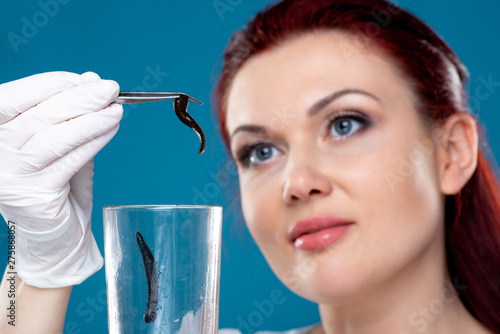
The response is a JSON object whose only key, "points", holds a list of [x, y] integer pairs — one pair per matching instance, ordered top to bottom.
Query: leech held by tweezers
{"points": [[181, 101], [180, 107], [151, 277]]}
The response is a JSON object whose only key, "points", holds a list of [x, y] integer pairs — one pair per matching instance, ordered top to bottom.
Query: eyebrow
{"points": [[316, 108]]}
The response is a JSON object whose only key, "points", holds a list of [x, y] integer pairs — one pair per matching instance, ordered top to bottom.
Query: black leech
{"points": [[180, 107], [151, 277]]}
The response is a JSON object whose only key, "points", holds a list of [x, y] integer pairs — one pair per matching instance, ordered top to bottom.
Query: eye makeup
{"points": [[348, 115], [245, 151]]}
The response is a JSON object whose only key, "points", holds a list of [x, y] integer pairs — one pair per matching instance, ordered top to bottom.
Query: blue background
{"points": [[153, 159]]}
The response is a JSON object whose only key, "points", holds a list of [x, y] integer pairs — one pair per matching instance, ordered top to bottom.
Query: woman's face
{"points": [[321, 126]]}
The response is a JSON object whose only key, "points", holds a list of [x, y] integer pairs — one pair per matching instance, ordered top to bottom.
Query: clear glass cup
{"points": [[181, 295]]}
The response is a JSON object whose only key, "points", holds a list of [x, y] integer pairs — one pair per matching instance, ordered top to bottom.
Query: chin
{"points": [[320, 283], [333, 291]]}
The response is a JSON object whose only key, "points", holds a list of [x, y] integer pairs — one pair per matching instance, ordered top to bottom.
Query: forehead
{"points": [[295, 74]]}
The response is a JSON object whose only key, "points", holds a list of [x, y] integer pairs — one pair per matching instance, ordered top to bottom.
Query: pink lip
{"points": [[318, 232]]}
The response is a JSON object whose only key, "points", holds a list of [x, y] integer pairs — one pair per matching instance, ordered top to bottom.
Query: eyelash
{"points": [[349, 115], [243, 154]]}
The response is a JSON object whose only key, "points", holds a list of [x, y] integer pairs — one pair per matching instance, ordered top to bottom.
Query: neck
{"points": [[419, 299]]}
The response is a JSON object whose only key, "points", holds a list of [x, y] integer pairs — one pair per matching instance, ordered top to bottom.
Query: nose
{"points": [[304, 180]]}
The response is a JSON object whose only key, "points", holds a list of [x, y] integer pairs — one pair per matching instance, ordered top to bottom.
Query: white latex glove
{"points": [[51, 127]]}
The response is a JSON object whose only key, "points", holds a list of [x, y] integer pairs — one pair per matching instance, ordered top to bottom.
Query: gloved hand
{"points": [[51, 127]]}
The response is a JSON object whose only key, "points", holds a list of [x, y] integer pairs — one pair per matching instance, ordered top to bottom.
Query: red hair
{"points": [[439, 78]]}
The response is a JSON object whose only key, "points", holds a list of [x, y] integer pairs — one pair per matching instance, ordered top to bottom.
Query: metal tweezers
{"points": [[125, 97], [180, 107]]}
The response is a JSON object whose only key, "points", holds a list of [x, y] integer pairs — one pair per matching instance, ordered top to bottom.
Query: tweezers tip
{"points": [[192, 99]]}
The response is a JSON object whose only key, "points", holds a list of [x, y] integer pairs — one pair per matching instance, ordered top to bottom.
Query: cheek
{"points": [[411, 182], [260, 200], [404, 201], [396, 222]]}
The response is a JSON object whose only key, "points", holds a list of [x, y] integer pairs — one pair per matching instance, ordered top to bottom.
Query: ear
{"points": [[457, 153]]}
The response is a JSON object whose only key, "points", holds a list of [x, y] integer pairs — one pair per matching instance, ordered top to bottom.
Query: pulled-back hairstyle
{"points": [[439, 78]]}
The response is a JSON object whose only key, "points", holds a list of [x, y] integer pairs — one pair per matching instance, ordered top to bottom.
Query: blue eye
{"points": [[346, 124], [257, 154]]}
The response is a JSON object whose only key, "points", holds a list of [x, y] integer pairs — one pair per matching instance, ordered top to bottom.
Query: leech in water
{"points": [[180, 107], [151, 277]]}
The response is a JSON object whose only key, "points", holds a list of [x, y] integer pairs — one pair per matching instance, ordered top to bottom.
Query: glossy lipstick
{"points": [[318, 232]]}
